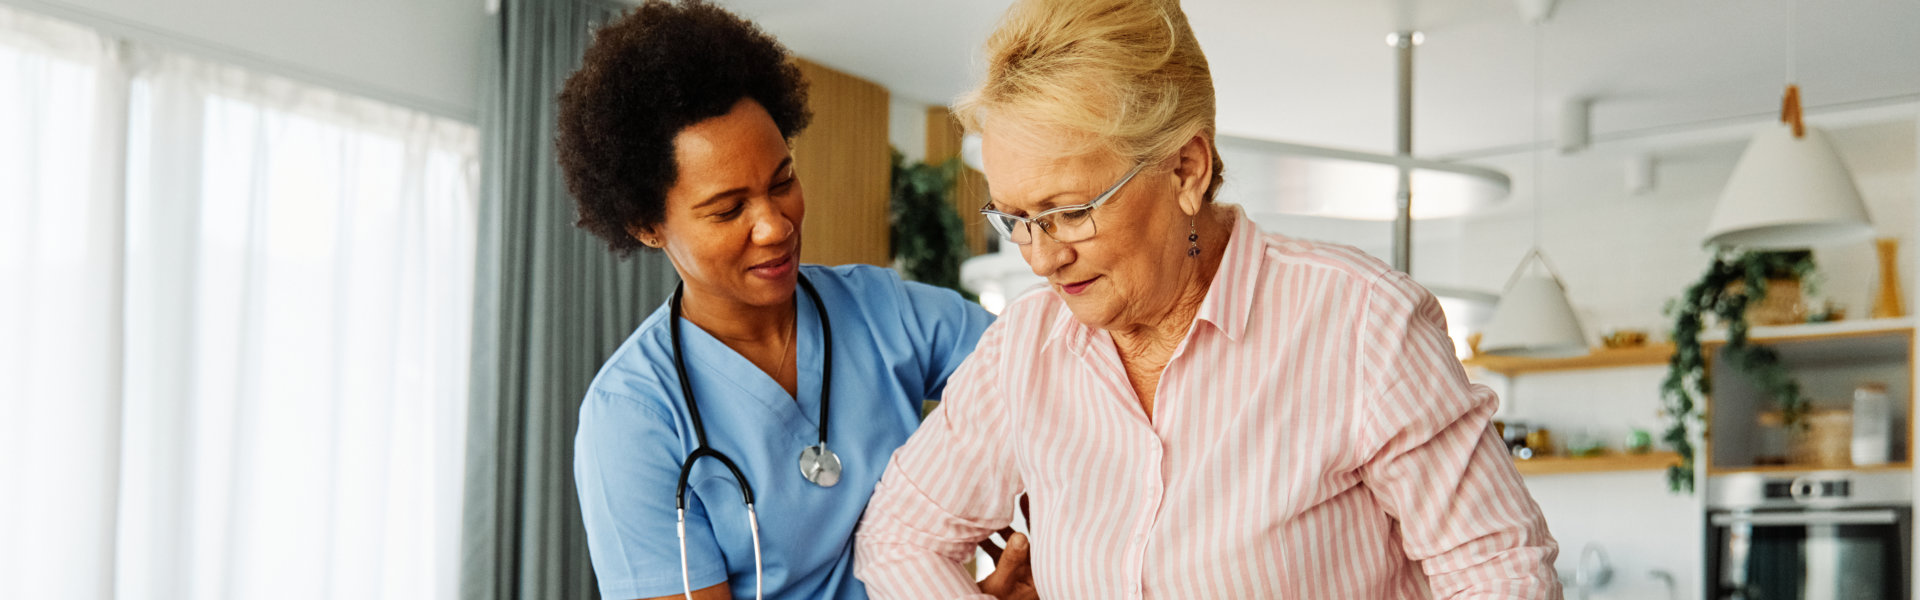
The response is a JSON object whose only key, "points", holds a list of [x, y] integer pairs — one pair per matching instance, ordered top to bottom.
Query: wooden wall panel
{"points": [[943, 142], [843, 163]]}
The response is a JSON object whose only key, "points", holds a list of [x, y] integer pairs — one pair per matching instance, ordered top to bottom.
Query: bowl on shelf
{"points": [[1828, 312], [1625, 338], [1639, 441], [1585, 444]]}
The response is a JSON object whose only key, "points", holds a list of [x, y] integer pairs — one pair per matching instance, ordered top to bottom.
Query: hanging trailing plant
{"points": [[927, 239], [1734, 281]]}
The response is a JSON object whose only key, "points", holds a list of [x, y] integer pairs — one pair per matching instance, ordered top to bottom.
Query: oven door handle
{"points": [[1849, 517]]}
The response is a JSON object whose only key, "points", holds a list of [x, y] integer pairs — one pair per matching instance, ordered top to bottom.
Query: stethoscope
{"points": [[817, 464]]}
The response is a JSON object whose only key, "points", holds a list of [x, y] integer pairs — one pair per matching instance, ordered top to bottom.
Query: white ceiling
{"points": [[1319, 71]]}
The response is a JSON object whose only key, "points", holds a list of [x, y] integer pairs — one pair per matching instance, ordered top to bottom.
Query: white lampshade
{"points": [[1789, 193], [1534, 319]]}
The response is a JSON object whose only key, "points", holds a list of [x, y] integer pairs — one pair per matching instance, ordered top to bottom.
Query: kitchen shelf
{"points": [[1854, 328], [1848, 333], [1599, 358], [1829, 361], [1557, 465], [1897, 466]]}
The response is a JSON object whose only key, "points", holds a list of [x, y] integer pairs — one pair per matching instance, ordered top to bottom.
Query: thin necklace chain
{"points": [[793, 331]]}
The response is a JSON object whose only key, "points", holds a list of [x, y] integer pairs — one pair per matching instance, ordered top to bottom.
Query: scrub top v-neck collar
{"points": [[729, 377]]}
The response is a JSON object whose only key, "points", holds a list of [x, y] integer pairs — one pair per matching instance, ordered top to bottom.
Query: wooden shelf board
{"points": [[1848, 328], [1599, 358], [1557, 465], [1899, 466]]}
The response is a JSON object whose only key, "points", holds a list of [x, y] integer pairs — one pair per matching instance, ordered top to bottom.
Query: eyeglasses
{"points": [[1065, 224]]}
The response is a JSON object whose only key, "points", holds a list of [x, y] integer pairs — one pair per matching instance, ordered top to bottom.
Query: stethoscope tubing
{"points": [[701, 450]]}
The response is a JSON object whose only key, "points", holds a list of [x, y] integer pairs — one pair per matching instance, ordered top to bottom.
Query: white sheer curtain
{"points": [[239, 308], [60, 342]]}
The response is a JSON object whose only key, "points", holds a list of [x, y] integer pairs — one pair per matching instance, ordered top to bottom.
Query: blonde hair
{"points": [[1124, 76]]}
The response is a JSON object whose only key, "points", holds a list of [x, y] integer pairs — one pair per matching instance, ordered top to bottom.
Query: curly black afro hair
{"points": [[647, 76]]}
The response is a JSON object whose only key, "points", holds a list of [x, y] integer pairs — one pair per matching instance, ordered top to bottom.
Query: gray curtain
{"points": [[550, 304]]}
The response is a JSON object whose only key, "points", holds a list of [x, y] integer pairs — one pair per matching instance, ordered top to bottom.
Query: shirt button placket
{"points": [[1152, 493]]}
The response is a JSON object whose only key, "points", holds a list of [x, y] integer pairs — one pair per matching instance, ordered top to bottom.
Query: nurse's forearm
{"points": [[718, 592]]}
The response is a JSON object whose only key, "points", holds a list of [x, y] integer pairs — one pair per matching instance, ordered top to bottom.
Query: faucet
{"points": [[1591, 572], [1665, 576]]}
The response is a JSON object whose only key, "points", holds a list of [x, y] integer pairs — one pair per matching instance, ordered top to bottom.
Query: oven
{"points": [[1826, 535]]}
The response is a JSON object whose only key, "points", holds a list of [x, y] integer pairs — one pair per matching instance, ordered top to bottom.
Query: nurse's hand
{"points": [[1012, 577]]}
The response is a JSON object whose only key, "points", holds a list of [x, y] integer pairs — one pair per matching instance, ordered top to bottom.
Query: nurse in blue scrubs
{"points": [[674, 136]]}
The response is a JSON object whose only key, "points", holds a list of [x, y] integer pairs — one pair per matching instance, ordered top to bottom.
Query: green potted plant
{"points": [[927, 239], [1734, 290]]}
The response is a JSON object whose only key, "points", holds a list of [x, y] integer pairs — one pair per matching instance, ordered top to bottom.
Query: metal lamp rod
{"points": [[1403, 43]]}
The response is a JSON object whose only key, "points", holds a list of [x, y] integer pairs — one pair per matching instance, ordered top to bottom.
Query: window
{"points": [[234, 320]]}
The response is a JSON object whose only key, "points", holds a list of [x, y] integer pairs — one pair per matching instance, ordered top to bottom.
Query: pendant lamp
{"points": [[1789, 191], [1533, 318]]}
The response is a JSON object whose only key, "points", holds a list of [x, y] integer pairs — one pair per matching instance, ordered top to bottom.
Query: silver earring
{"points": [[1193, 239]]}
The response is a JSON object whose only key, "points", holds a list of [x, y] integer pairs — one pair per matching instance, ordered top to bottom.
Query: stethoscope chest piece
{"points": [[820, 465]]}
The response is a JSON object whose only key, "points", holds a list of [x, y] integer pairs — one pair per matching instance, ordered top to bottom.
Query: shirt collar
{"points": [[1229, 300]]}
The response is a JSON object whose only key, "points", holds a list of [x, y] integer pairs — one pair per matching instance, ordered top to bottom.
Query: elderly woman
{"points": [[1195, 408], [728, 448]]}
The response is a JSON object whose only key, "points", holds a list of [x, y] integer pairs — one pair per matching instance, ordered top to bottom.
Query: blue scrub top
{"points": [[894, 345]]}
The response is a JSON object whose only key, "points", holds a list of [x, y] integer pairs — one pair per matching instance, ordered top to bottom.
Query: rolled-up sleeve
{"points": [[1434, 463], [626, 465], [950, 486]]}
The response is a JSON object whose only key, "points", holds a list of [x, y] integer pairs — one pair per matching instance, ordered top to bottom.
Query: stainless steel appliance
{"points": [[1822, 535]]}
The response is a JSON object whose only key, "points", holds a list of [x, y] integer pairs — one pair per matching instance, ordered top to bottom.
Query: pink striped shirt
{"points": [[1312, 437]]}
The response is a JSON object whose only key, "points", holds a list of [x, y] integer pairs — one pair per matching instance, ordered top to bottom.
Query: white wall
{"points": [[425, 54], [907, 127], [1622, 257], [1630, 515]]}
